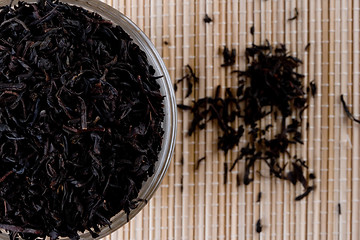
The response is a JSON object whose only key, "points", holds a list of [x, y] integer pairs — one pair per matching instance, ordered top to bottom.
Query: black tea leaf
{"points": [[295, 16], [207, 19], [252, 30], [229, 57], [190, 78], [313, 88], [347, 111], [81, 117], [198, 162], [225, 172], [305, 194], [259, 197], [258, 226]]}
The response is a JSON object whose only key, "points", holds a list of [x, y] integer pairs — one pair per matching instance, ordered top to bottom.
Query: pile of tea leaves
{"points": [[269, 87], [80, 120]]}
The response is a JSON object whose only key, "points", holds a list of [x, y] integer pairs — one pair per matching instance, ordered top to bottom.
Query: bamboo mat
{"points": [[195, 204]]}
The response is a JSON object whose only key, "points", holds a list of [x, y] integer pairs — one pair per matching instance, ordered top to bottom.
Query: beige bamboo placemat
{"points": [[195, 204]]}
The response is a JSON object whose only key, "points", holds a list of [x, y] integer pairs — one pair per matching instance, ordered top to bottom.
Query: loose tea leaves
{"points": [[229, 57], [190, 80], [274, 83], [269, 87], [272, 87], [209, 108], [80, 120]]}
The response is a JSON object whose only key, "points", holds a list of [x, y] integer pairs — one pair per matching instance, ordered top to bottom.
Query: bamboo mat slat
{"points": [[220, 23], [193, 202], [354, 207]]}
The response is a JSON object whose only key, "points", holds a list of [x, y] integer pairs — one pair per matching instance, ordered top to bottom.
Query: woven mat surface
{"points": [[196, 204]]}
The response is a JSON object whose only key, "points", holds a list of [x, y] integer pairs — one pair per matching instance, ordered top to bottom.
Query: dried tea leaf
{"points": [[80, 120]]}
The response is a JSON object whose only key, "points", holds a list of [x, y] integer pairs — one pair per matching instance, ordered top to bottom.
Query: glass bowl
{"points": [[166, 88]]}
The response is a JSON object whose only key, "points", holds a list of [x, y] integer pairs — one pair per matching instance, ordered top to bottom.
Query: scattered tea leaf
{"points": [[295, 16], [207, 19], [252, 30], [229, 58], [190, 78], [270, 86], [313, 88], [184, 107], [347, 111], [198, 162], [225, 172], [312, 176], [238, 179], [182, 184], [305, 194], [259, 197], [258, 226]]}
